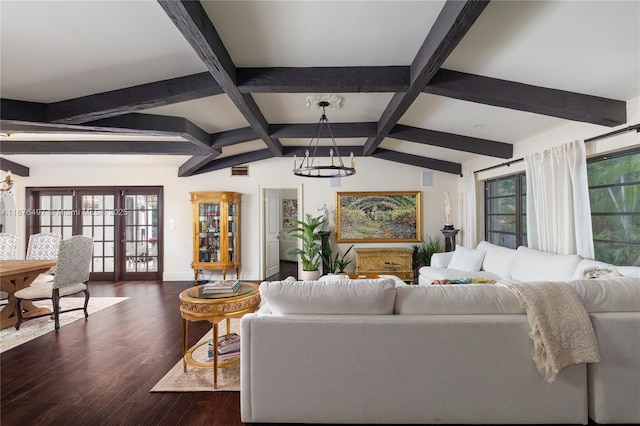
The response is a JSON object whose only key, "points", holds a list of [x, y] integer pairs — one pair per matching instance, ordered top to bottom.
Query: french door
{"points": [[124, 222]]}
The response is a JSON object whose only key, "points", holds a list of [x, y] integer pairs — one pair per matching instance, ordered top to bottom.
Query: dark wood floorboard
{"points": [[100, 371]]}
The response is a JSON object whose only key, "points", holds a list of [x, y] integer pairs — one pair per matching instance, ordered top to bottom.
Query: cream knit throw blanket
{"points": [[561, 330]]}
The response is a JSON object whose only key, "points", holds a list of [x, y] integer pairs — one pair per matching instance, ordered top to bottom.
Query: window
{"points": [[614, 193], [505, 211]]}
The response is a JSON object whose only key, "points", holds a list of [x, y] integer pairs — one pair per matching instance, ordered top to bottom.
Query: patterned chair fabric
{"points": [[8, 246], [43, 246], [74, 261], [73, 267]]}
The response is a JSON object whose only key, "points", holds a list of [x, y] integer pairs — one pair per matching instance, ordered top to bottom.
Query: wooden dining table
{"points": [[16, 275]]}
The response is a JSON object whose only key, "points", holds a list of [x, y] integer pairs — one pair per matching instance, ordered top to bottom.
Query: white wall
{"points": [[372, 175]]}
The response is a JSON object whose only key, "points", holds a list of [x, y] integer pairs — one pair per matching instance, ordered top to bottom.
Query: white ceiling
{"points": [[58, 50]]}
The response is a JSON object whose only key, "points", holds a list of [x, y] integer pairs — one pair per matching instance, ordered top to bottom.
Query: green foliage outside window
{"points": [[614, 193]]}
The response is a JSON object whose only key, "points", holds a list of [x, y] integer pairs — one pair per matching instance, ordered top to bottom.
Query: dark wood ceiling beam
{"points": [[192, 21], [453, 22], [323, 79], [525, 97], [132, 99], [11, 109], [159, 125], [9, 126], [339, 130], [232, 137], [452, 141], [102, 147], [323, 151], [236, 160], [415, 160], [194, 163], [15, 168]]}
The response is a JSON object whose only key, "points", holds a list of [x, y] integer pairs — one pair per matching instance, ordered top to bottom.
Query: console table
{"points": [[385, 261]]}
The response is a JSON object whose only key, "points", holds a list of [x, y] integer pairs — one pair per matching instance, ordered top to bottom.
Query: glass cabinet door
{"points": [[232, 230], [209, 231]]}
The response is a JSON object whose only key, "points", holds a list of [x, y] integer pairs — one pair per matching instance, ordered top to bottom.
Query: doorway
{"points": [[280, 205], [124, 222]]}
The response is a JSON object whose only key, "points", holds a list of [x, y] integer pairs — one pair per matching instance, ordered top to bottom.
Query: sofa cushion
{"points": [[466, 259], [497, 259], [587, 264], [535, 265], [608, 294], [340, 297], [473, 299]]}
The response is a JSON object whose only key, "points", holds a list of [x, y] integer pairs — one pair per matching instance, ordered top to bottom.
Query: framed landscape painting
{"points": [[371, 217]]}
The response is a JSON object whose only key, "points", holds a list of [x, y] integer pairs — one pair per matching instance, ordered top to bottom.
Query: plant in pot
{"points": [[309, 232], [422, 254], [336, 265]]}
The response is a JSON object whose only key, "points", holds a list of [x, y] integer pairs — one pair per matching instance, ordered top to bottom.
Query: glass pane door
{"points": [[98, 212], [125, 224], [141, 232]]}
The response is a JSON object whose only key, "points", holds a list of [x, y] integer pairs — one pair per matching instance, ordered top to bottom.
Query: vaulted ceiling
{"points": [[223, 83]]}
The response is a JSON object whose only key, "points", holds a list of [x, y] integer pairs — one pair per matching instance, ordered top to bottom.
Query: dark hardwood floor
{"points": [[100, 371]]}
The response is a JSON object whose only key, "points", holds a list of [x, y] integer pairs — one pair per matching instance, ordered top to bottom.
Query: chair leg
{"points": [[55, 300], [86, 303], [18, 313]]}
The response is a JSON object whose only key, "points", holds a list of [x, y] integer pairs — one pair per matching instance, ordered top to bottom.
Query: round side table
{"points": [[214, 308]]}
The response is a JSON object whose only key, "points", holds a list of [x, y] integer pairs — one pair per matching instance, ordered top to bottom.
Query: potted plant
{"points": [[308, 231], [422, 253], [336, 265]]}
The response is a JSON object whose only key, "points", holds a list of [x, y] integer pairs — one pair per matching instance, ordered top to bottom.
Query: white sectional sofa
{"points": [[524, 264], [368, 351]]}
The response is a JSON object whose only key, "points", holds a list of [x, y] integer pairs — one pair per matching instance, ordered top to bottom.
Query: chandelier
{"points": [[309, 165]]}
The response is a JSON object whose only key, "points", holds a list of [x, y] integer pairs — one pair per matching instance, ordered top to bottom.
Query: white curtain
{"points": [[558, 210], [470, 230]]}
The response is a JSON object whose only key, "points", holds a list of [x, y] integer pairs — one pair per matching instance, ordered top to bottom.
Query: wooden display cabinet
{"points": [[216, 232]]}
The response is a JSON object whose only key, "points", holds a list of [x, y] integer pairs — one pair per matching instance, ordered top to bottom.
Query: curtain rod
{"points": [[635, 127]]}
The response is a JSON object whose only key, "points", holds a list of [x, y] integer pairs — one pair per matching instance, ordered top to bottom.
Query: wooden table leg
{"points": [[8, 316], [184, 345], [215, 355]]}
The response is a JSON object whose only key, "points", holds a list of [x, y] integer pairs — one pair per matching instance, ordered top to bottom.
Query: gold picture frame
{"points": [[373, 217]]}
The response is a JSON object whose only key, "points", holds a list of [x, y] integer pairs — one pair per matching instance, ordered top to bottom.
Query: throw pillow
{"points": [[465, 259], [597, 272]]}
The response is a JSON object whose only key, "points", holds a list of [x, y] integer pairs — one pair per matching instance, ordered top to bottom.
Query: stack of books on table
{"points": [[224, 286], [228, 346]]}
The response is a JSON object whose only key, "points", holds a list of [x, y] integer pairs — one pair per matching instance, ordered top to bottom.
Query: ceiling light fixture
{"points": [[309, 166]]}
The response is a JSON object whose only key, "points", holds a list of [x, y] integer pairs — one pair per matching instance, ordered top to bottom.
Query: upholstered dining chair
{"points": [[8, 246], [43, 246], [8, 251], [72, 273]]}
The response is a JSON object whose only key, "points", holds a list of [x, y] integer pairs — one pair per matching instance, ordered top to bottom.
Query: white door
{"points": [[272, 231]]}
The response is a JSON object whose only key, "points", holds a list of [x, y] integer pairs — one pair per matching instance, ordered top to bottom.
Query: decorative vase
{"points": [[309, 275]]}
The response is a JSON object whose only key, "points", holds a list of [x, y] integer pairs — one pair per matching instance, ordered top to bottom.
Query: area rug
{"points": [[10, 337], [198, 379]]}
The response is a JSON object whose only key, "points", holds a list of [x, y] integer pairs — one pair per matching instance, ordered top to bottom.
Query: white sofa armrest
{"points": [[441, 260]]}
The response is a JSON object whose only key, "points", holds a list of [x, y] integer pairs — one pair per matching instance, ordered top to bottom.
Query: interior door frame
{"points": [[263, 241]]}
